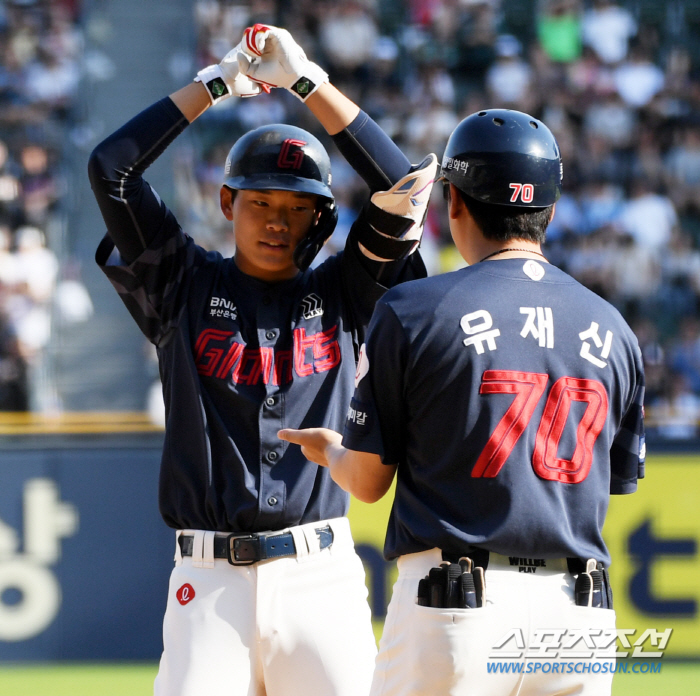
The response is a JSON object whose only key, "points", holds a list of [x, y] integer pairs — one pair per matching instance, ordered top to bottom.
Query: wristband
{"points": [[213, 79], [307, 84]]}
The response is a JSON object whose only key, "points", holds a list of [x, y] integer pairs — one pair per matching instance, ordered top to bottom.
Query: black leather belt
{"points": [[251, 548]]}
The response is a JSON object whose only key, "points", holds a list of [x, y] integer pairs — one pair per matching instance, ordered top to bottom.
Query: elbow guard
{"points": [[395, 218]]}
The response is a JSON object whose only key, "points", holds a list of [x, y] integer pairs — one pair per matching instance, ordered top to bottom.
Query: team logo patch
{"points": [[303, 87], [217, 88], [533, 270], [311, 306], [221, 307], [362, 366], [185, 594]]}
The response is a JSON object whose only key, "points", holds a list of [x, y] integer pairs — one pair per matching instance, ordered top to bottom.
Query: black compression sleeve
{"points": [[372, 153], [132, 211]]}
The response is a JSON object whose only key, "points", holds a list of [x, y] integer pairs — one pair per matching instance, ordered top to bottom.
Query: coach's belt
{"points": [[251, 548], [480, 558]]}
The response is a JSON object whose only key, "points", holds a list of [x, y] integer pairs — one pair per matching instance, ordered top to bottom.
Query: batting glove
{"points": [[273, 58], [225, 80], [397, 216]]}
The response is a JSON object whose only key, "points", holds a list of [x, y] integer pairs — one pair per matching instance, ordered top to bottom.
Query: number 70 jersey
{"points": [[511, 398]]}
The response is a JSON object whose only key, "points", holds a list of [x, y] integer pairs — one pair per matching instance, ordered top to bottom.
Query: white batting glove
{"points": [[273, 58], [225, 80], [397, 216]]}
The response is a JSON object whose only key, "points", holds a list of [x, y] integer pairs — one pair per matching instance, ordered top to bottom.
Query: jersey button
{"points": [[266, 300], [270, 335], [270, 401], [272, 456], [272, 501]]}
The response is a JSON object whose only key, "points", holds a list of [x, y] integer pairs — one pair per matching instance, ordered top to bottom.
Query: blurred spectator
{"points": [[477, 29], [559, 29], [607, 29], [347, 36], [588, 78], [509, 79], [51, 80], [638, 80], [611, 120], [647, 161], [682, 168], [9, 185], [40, 189], [601, 204], [649, 217], [567, 221], [8, 267], [37, 269], [635, 275], [680, 288], [71, 298], [684, 352], [653, 355], [14, 388], [675, 414]]}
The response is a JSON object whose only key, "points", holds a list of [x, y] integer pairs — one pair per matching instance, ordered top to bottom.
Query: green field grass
{"points": [[678, 679]]}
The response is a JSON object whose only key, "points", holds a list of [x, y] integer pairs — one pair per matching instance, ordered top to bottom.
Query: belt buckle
{"points": [[231, 548]]}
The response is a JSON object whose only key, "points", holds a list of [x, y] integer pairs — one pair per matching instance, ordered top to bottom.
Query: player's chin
{"points": [[275, 250], [274, 255], [276, 260]]}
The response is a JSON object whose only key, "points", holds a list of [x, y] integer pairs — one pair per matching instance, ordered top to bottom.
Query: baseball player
{"points": [[507, 400], [267, 595]]}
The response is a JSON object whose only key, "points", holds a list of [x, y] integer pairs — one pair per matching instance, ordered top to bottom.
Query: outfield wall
{"points": [[85, 557]]}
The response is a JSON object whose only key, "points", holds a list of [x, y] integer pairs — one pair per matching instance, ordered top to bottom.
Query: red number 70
{"points": [[528, 388]]}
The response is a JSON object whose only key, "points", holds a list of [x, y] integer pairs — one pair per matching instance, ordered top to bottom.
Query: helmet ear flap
{"points": [[308, 248]]}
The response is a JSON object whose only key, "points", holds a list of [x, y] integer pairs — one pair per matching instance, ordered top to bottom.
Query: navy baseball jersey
{"points": [[239, 358], [510, 397]]}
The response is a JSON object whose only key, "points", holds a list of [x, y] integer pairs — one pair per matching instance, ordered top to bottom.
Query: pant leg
{"points": [[315, 624], [209, 632], [426, 651]]}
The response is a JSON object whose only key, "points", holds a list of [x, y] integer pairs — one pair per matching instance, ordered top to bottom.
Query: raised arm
{"points": [[271, 56], [132, 211]]}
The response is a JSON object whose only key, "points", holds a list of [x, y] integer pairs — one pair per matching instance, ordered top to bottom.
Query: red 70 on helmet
{"points": [[526, 192]]}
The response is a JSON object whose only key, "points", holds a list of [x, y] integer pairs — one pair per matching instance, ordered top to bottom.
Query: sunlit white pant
{"points": [[292, 626], [426, 651]]}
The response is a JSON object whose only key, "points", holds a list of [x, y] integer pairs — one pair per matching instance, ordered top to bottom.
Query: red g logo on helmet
{"points": [[291, 155]]}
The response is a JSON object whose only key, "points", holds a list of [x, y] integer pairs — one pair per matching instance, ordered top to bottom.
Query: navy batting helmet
{"points": [[504, 157], [286, 158]]}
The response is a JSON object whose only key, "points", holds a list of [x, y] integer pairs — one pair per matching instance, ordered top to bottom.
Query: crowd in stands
{"points": [[40, 50], [616, 80], [620, 89]]}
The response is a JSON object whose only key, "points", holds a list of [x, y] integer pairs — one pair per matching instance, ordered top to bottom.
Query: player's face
{"points": [[267, 226]]}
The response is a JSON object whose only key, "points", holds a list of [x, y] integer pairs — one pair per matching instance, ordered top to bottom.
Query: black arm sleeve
{"points": [[372, 153], [378, 160], [132, 211]]}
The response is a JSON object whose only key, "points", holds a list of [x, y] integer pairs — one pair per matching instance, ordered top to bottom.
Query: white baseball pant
{"points": [[290, 626], [426, 651]]}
